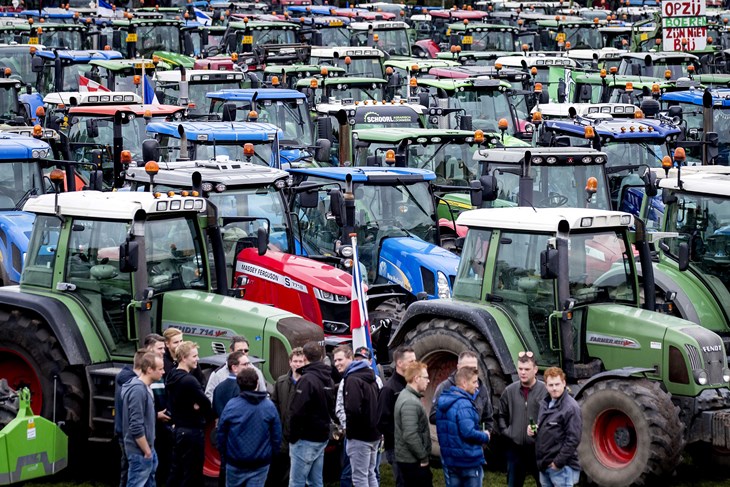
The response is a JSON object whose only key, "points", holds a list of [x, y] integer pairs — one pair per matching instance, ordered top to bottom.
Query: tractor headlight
{"points": [[346, 251], [442, 286], [330, 297], [726, 375], [701, 377]]}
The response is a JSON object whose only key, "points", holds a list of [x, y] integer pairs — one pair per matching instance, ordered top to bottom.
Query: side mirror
{"points": [[316, 39], [117, 40], [188, 46], [37, 64], [562, 92], [424, 99], [675, 111], [229, 112], [465, 123], [92, 128], [324, 128], [150, 150], [322, 152], [649, 179], [488, 184], [475, 193], [668, 197], [308, 198], [337, 205], [262, 239], [128, 256], [683, 256], [549, 264]]}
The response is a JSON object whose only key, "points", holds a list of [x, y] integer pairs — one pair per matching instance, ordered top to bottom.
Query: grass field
{"points": [[687, 475]]}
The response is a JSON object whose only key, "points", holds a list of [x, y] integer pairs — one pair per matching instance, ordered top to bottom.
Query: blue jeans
{"points": [[307, 462], [141, 471], [346, 474], [464, 476], [236, 477], [565, 477]]}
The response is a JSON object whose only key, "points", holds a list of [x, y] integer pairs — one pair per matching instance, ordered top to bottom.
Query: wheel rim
{"points": [[20, 373], [614, 436], [212, 463]]}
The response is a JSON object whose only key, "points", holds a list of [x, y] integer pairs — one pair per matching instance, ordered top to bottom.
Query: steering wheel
{"points": [[553, 200]]}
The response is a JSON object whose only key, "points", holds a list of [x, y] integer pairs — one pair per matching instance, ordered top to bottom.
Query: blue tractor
{"points": [[286, 108], [22, 167], [393, 213]]}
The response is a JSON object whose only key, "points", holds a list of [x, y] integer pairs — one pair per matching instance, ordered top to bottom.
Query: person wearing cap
{"points": [[361, 410]]}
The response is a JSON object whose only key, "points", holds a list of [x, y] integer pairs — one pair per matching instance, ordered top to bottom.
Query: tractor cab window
{"points": [[704, 224], [174, 259], [92, 267], [38, 270], [470, 276], [528, 298]]}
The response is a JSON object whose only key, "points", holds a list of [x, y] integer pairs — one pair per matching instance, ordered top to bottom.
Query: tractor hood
{"points": [[16, 227], [415, 264], [280, 267], [213, 319], [625, 336]]}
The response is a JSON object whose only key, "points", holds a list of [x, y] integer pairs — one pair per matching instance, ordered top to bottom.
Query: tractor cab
{"points": [[354, 61], [64, 70], [190, 88]]}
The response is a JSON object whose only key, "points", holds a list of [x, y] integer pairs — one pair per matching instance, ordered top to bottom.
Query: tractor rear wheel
{"points": [[438, 343], [30, 356], [631, 433]]}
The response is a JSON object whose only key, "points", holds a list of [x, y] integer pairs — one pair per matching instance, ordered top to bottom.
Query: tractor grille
{"points": [[335, 317], [710, 356]]}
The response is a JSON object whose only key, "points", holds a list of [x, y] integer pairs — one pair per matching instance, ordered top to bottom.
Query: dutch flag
{"points": [[202, 17], [359, 322]]}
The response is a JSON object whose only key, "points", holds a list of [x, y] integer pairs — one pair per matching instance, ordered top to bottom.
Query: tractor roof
{"points": [[345, 51], [80, 56], [198, 76], [246, 94], [74, 98], [720, 98], [139, 110], [620, 129], [218, 131], [393, 135], [539, 155], [231, 173], [375, 175], [711, 183], [117, 205], [544, 220]]}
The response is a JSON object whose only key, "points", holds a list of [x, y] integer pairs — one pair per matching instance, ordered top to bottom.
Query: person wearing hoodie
{"points": [[127, 373], [361, 410], [190, 411], [310, 417], [138, 422], [249, 433], [460, 435]]}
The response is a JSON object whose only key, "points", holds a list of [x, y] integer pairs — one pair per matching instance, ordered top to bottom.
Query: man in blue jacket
{"points": [[249, 433], [460, 435]]}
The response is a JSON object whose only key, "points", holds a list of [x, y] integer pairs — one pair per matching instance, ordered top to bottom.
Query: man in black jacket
{"points": [[402, 357], [519, 406], [190, 411], [361, 411], [310, 416], [557, 434]]}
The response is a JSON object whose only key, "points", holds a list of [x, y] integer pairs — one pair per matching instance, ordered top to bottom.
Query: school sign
{"points": [[684, 25]]}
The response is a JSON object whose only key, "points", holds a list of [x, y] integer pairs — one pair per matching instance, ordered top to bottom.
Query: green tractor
{"points": [[102, 271], [543, 280]]}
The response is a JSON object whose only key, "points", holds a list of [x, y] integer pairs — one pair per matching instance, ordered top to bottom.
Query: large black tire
{"points": [[391, 313], [438, 344], [30, 356], [631, 433]]}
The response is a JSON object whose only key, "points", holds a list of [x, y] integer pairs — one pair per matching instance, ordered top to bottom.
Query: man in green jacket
{"points": [[412, 433]]}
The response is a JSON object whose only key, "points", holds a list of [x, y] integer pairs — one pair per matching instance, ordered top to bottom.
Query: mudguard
{"points": [[478, 318], [609, 374]]}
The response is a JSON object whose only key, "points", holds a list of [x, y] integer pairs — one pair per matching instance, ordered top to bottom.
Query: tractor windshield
{"points": [[335, 36], [158, 38], [69, 39], [493, 40], [393, 41], [19, 62], [365, 67], [357, 91], [196, 93], [8, 104], [485, 106], [292, 116], [93, 131], [208, 151], [632, 155], [451, 159], [18, 181], [553, 185], [704, 223], [174, 255], [470, 276]]}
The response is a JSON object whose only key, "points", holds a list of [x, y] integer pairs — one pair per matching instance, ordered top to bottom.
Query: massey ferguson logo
{"points": [[713, 348]]}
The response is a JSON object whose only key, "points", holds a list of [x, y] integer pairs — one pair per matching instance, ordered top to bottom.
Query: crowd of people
{"points": [[277, 439]]}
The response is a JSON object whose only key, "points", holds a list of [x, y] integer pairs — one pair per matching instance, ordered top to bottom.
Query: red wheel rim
{"points": [[20, 373], [614, 437], [212, 463]]}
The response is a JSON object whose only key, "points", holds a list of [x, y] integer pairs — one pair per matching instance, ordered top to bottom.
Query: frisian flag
{"points": [[105, 9], [202, 17], [88, 85], [359, 322]]}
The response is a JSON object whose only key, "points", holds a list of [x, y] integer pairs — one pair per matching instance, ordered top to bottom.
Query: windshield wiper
{"points": [[24, 198], [413, 198]]}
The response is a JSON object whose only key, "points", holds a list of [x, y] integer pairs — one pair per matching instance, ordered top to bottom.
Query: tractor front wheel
{"points": [[631, 433]]}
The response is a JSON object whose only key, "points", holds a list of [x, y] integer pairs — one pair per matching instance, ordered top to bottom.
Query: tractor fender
{"points": [[378, 293], [682, 301], [57, 316], [477, 318], [623, 373]]}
